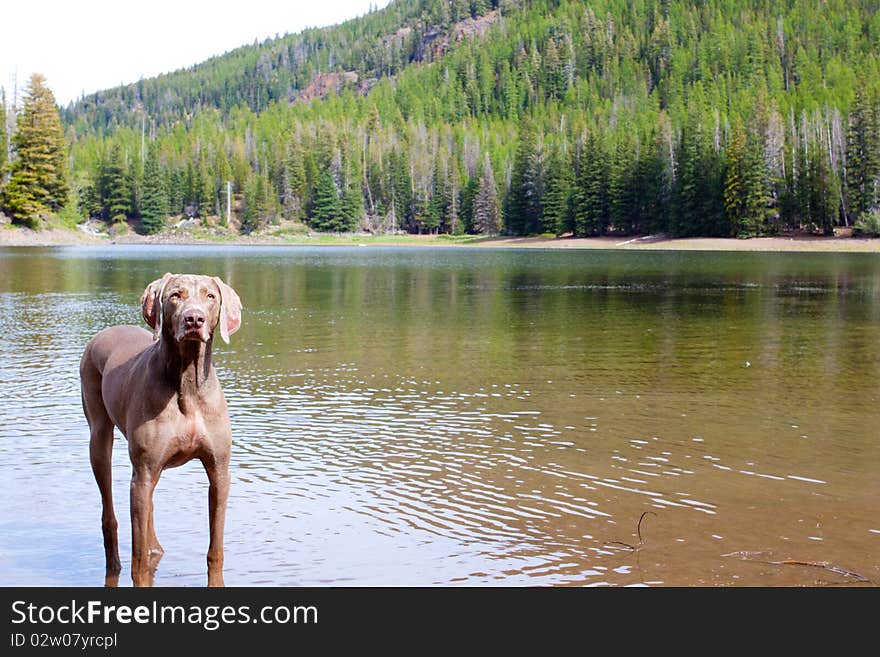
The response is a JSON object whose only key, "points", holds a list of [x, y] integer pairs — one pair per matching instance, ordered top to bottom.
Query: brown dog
{"points": [[161, 390]]}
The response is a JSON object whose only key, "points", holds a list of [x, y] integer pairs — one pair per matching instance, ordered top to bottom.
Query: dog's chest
{"points": [[190, 438]]}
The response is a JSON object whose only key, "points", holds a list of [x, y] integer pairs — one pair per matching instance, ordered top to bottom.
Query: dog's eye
{"points": [[174, 296], [211, 296]]}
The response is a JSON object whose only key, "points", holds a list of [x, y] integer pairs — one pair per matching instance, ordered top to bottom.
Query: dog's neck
{"points": [[187, 369]]}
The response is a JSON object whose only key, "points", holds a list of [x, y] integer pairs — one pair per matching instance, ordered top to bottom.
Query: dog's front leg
{"points": [[143, 482], [218, 493]]}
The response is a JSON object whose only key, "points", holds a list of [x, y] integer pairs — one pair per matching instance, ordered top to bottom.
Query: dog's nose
{"points": [[194, 319]]}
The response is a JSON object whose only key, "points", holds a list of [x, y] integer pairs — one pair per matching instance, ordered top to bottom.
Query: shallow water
{"points": [[417, 416]]}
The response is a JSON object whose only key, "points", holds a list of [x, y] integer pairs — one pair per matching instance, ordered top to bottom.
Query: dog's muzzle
{"points": [[193, 324]]}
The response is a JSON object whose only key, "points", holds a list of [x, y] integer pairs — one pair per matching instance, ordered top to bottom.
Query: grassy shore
{"points": [[16, 236]]}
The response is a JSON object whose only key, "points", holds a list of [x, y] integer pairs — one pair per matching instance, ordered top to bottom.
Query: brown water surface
{"points": [[418, 416]]}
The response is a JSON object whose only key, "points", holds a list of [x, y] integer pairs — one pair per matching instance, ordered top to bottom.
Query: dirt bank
{"points": [[16, 236]]}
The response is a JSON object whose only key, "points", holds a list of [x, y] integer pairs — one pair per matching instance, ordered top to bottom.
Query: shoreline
{"points": [[24, 237]]}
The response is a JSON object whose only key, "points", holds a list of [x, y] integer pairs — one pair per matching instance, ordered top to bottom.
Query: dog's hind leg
{"points": [[101, 456]]}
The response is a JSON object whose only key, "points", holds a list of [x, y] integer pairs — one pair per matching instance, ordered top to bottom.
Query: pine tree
{"points": [[862, 156], [37, 181], [735, 181], [135, 183], [191, 184], [293, 184], [114, 185], [175, 186], [526, 186], [591, 189], [401, 190], [823, 190], [207, 191], [622, 192], [747, 194], [468, 198], [154, 200], [557, 201], [687, 204], [698, 204], [439, 205], [260, 206], [653, 206], [326, 207], [351, 208], [487, 209], [250, 215]]}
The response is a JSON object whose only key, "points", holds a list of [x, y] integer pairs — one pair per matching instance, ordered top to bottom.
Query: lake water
{"points": [[448, 416]]}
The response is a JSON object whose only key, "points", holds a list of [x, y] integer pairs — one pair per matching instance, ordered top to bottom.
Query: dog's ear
{"points": [[151, 304], [230, 310]]}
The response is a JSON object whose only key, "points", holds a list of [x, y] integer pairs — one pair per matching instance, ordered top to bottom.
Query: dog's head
{"points": [[189, 307]]}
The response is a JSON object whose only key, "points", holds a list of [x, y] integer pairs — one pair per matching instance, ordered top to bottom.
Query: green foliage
{"points": [[738, 117], [863, 155], [37, 183], [293, 185], [114, 186], [526, 186], [746, 194], [154, 200], [591, 202], [698, 203], [260, 206], [326, 207], [351, 208], [487, 208], [558, 210], [69, 215], [868, 224]]}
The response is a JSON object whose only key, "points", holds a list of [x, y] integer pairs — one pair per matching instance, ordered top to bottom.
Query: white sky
{"points": [[87, 45]]}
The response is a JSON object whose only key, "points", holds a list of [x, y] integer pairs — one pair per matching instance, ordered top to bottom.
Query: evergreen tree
{"points": [[862, 156], [37, 181], [735, 181], [191, 184], [293, 184], [114, 186], [175, 186], [622, 187], [591, 188], [746, 188], [401, 190], [824, 190], [207, 191], [468, 197], [89, 198], [154, 200], [440, 205], [698, 205], [260, 206], [653, 206], [326, 207], [687, 207], [351, 208], [487, 208], [524, 211], [250, 215], [557, 215]]}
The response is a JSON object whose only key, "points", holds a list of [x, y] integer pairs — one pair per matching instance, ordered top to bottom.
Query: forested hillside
{"points": [[737, 117]]}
